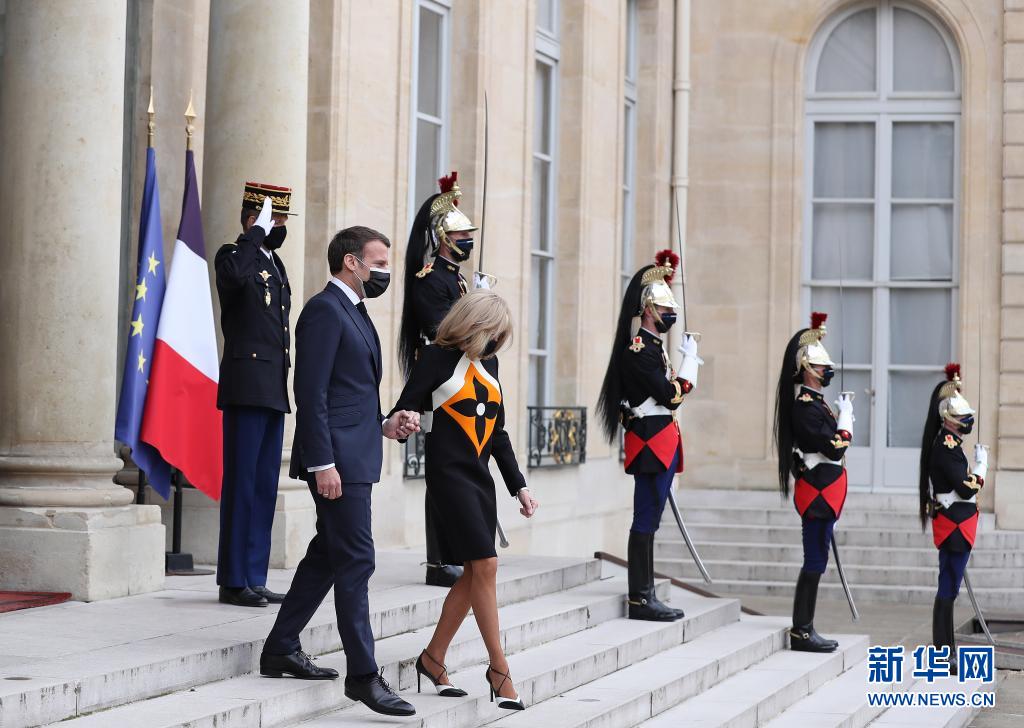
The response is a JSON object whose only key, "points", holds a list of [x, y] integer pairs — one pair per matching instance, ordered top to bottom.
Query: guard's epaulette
{"points": [[428, 268], [637, 345], [805, 398]]}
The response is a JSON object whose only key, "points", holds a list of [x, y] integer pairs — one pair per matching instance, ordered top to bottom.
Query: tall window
{"points": [[429, 148], [629, 148], [881, 217], [542, 252]]}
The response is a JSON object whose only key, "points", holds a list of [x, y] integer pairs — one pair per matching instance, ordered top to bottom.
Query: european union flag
{"points": [[149, 297]]}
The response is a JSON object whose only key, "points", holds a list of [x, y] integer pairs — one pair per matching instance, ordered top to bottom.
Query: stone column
{"points": [[256, 110], [64, 525]]}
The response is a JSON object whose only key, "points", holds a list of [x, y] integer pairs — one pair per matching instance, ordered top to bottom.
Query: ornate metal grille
{"points": [[557, 436], [415, 458]]}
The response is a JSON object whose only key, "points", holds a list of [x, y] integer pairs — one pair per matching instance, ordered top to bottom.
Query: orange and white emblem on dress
{"points": [[474, 407]]}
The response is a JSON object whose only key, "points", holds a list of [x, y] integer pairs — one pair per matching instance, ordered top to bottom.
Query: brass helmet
{"points": [[445, 215], [656, 290], [812, 352], [952, 403]]}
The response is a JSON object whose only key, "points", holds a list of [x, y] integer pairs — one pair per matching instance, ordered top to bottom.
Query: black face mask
{"points": [[275, 238], [463, 249], [377, 283], [666, 323], [492, 346], [826, 376], [966, 425]]}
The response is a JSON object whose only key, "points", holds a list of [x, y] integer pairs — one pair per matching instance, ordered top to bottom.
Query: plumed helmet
{"points": [[812, 351], [952, 402]]}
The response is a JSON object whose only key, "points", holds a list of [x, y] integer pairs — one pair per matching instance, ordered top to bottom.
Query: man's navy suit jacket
{"points": [[337, 390]]}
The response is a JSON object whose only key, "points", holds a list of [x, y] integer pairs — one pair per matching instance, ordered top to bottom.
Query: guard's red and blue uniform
{"points": [[955, 524]]}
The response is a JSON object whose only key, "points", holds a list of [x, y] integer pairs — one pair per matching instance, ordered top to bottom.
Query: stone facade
{"points": [[318, 96]]}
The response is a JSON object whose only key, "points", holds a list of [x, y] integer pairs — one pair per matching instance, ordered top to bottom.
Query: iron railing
{"points": [[557, 436]]}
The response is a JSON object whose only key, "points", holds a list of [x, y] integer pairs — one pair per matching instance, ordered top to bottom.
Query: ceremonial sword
{"points": [[842, 388], [671, 495]]}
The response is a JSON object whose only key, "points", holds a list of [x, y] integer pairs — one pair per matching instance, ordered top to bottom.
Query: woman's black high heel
{"points": [[445, 691], [508, 703]]}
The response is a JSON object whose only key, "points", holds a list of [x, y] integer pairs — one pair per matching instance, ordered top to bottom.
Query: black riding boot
{"points": [[654, 595], [642, 604], [942, 629], [802, 637]]}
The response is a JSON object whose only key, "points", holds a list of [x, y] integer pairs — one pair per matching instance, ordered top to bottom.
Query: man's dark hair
{"points": [[248, 212], [351, 240]]}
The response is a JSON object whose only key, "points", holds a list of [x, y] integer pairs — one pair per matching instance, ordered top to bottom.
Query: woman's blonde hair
{"points": [[475, 320]]}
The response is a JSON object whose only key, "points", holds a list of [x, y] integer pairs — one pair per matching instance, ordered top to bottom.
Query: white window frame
{"points": [[442, 8], [547, 53], [629, 131], [882, 466]]}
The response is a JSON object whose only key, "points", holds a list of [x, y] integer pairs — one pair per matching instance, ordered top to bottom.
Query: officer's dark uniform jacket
{"points": [[436, 289], [255, 299], [651, 441], [820, 477], [954, 526]]}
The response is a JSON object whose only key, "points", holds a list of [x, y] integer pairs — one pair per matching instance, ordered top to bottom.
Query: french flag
{"points": [[181, 418]]}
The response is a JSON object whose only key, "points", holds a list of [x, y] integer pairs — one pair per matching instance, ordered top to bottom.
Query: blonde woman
{"points": [[454, 382]]}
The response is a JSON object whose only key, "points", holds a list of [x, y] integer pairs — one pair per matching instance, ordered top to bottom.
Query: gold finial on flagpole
{"points": [[190, 116], [152, 117]]}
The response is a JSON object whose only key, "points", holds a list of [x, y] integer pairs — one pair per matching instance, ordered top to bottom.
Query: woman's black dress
{"points": [[464, 421]]}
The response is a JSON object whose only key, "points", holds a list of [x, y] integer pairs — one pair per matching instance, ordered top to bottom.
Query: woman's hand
{"points": [[530, 504]]}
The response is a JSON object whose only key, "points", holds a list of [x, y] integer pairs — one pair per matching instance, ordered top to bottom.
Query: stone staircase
{"points": [[750, 543], [177, 659]]}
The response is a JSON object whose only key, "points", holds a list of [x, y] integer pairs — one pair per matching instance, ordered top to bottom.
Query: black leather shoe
{"points": [[443, 575], [241, 597], [272, 597], [296, 664], [377, 695]]}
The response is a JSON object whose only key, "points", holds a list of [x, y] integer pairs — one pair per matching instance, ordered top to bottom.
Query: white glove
{"points": [[266, 219], [481, 280], [690, 367], [846, 418], [980, 460]]}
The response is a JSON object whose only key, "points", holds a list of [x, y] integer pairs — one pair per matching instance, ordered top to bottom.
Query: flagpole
{"points": [[140, 490]]}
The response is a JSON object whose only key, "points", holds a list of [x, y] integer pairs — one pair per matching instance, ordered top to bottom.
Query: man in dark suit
{"points": [[255, 300], [338, 452]]}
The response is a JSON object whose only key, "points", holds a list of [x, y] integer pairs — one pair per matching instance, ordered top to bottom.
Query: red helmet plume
{"points": [[447, 183], [669, 259], [818, 319], [952, 371]]}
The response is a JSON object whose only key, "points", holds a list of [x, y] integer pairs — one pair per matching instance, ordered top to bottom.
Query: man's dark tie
{"points": [[361, 307]]}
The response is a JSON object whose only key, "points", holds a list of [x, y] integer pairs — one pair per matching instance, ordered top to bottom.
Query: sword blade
{"points": [[483, 201], [679, 244], [686, 538], [502, 541], [842, 579], [977, 609]]}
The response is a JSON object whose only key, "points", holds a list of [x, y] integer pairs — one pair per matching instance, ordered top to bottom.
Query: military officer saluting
{"points": [[441, 238], [255, 300], [642, 391]]}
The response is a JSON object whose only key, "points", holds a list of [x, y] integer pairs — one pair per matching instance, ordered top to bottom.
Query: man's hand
{"points": [[266, 216], [401, 424], [328, 483], [529, 503]]}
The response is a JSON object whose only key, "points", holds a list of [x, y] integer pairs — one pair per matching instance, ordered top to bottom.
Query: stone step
{"points": [[771, 498], [743, 516], [912, 537], [852, 555], [685, 568], [996, 599], [589, 617], [90, 657], [564, 685], [762, 691]]}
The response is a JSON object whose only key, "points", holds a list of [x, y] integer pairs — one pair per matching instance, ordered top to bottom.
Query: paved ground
{"points": [[909, 625]]}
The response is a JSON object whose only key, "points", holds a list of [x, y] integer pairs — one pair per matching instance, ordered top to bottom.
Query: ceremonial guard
{"points": [[441, 238], [255, 300], [641, 391], [811, 443], [949, 496]]}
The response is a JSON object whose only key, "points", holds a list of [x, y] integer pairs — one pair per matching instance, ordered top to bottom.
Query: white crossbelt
{"points": [[648, 408], [814, 459], [948, 499]]}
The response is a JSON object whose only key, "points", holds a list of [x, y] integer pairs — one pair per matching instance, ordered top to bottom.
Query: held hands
{"points": [[266, 219], [401, 424], [980, 460], [328, 483], [529, 503]]}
